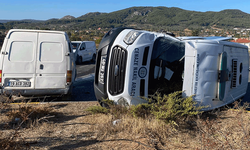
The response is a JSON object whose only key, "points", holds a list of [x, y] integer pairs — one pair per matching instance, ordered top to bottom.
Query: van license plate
{"points": [[19, 84]]}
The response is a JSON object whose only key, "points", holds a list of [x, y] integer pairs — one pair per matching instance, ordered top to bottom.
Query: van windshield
{"points": [[166, 66]]}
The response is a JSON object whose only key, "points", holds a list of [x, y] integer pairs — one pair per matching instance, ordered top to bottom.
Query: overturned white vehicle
{"points": [[132, 64]]}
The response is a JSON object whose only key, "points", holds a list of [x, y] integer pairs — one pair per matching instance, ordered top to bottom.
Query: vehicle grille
{"points": [[117, 70]]}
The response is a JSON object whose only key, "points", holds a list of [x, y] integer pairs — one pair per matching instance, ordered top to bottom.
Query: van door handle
{"points": [[41, 66]]}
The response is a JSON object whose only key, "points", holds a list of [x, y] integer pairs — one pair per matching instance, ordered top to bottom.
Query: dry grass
{"points": [[30, 115], [18, 116], [72, 127], [227, 129], [138, 131]]}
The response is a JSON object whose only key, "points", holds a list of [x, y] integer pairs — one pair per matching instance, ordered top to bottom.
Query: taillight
{"points": [[0, 75], [69, 76]]}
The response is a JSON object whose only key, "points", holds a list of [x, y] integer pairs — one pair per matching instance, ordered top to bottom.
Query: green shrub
{"points": [[108, 102], [173, 106], [170, 108], [97, 109], [141, 110], [117, 111]]}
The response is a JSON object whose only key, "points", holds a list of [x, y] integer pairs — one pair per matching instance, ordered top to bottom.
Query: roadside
{"points": [[70, 126]]}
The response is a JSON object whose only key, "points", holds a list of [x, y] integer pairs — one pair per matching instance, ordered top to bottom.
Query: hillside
{"points": [[143, 17]]}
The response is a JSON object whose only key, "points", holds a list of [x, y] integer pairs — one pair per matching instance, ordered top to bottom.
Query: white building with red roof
{"points": [[243, 41]]}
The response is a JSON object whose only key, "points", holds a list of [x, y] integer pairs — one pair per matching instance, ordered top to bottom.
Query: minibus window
{"points": [[166, 66]]}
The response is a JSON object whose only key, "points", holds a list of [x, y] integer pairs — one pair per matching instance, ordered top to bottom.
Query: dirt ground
{"points": [[70, 126]]}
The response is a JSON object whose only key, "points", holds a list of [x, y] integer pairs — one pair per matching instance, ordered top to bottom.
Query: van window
{"points": [[83, 46], [21, 51], [51, 52], [167, 66]]}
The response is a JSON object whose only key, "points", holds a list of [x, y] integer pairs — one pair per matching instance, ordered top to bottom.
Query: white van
{"points": [[84, 51], [36, 62], [132, 64]]}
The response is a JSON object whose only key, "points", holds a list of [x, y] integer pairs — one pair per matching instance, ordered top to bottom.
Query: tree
{"points": [[195, 32], [75, 38]]}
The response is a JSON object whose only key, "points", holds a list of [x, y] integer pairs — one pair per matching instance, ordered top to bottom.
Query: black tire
{"points": [[93, 58], [79, 59], [66, 97]]}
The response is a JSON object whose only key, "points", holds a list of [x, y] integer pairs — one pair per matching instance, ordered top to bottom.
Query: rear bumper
{"points": [[34, 92]]}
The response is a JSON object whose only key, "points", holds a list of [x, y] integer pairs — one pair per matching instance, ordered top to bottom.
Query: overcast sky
{"points": [[47, 9]]}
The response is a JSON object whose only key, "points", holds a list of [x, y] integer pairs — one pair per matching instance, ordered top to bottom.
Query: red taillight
{"points": [[0, 75], [69, 75]]}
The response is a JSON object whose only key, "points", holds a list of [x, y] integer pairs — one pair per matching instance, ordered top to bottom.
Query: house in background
{"points": [[243, 41]]}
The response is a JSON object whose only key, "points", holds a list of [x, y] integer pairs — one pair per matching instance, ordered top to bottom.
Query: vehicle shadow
{"points": [[86, 63], [246, 98]]}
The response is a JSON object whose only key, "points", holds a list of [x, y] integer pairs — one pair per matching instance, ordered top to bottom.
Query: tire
{"points": [[93, 58], [79, 59], [66, 97]]}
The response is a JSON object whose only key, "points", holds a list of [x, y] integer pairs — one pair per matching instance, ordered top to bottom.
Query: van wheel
{"points": [[93, 58], [79, 59], [66, 97]]}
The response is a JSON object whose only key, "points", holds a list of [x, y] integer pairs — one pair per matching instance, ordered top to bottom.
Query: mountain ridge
{"points": [[172, 18]]}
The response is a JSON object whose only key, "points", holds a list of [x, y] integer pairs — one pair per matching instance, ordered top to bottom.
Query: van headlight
{"points": [[131, 37]]}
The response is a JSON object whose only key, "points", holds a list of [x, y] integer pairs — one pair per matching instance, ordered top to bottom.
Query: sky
{"points": [[48, 9]]}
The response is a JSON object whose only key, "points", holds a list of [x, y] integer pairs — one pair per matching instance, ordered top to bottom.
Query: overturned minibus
{"points": [[132, 64]]}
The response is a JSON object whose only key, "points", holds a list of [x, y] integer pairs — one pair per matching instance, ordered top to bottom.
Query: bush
{"points": [[108, 102], [173, 106], [108, 107], [169, 108], [97, 109], [141, 110]]}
